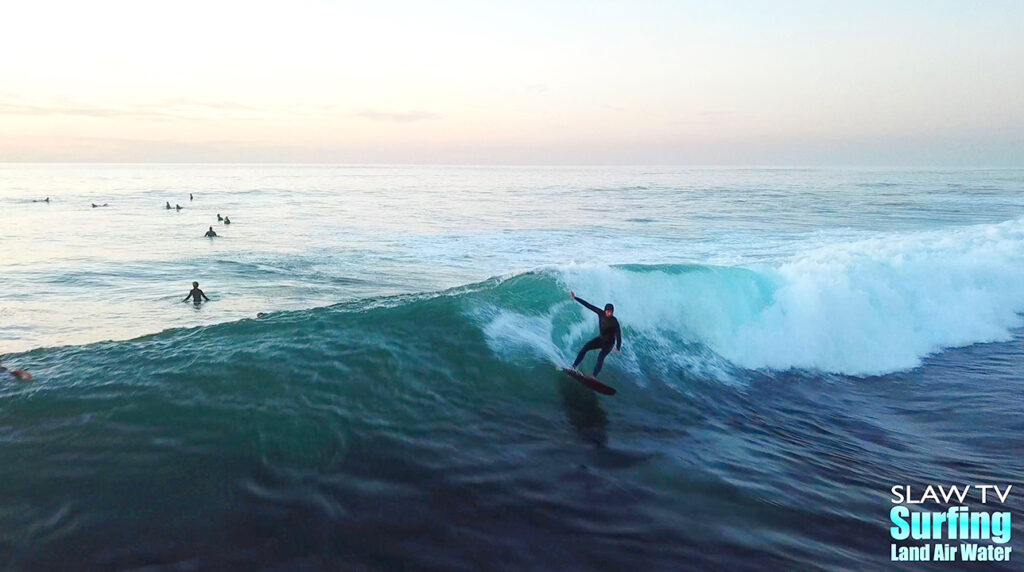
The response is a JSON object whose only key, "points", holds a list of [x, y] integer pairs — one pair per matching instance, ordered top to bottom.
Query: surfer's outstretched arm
{"points": [[204, 295], [587, 305], [618, 337]]}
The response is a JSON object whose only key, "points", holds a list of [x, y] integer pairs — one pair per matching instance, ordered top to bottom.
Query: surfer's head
{"points": [[195, 285], [609, 309]]}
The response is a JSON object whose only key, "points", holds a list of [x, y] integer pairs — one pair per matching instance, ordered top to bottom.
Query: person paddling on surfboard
{"points": [[610, 334], [21, 374]]}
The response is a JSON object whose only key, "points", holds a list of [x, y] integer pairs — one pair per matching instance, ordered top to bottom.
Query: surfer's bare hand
{"points": [[572, 294], [618, 351]]}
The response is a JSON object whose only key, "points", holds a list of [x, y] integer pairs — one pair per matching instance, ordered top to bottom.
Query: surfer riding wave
{"points": [[610, 334]]}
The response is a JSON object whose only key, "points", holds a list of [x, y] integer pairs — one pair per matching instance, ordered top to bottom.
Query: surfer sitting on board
{"points": [[196, 294], [610, 334]]}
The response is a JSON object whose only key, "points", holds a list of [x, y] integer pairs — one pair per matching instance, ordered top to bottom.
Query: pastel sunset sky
{"points": [[914, 83]]}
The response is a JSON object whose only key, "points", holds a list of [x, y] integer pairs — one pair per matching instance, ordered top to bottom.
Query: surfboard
{"points": [[589, 382]]}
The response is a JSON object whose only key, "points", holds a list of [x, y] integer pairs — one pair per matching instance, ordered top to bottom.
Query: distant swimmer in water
{"points": [[190, 197], [46, 200], [96, 206], [169, 207], [177, 207], [219, 218], [227, 220], [210, 233], [196, 294], [610, 334], [21, 374]]}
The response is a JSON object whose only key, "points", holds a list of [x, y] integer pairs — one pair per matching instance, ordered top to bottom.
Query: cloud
{"points": [[537, 89], [190, 103], [9, 108], [172, 108], [408, 117]]}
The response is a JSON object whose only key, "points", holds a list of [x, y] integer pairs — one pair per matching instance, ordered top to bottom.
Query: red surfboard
{"points": [[589, 382]]}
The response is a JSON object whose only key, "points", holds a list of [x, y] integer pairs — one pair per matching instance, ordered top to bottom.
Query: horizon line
{"points": [[535, 165]]}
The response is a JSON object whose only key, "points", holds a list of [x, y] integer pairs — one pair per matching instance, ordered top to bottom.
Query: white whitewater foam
{"points": [[870, 307]]}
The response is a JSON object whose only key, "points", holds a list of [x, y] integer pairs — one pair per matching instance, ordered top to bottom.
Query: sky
{"points": [[897, 83]]}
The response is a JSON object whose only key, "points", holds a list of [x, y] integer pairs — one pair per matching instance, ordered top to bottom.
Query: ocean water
{"points": [[796, 342]]}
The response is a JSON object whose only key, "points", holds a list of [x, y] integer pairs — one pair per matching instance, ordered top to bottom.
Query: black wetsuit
{"points": [[196, 294], [610, 336]]}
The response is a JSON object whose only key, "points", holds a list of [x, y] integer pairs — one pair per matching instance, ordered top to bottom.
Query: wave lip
{"points": [[881, 305]]}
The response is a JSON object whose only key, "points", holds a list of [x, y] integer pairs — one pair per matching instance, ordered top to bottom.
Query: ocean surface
{"points": [[795, 343]]}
